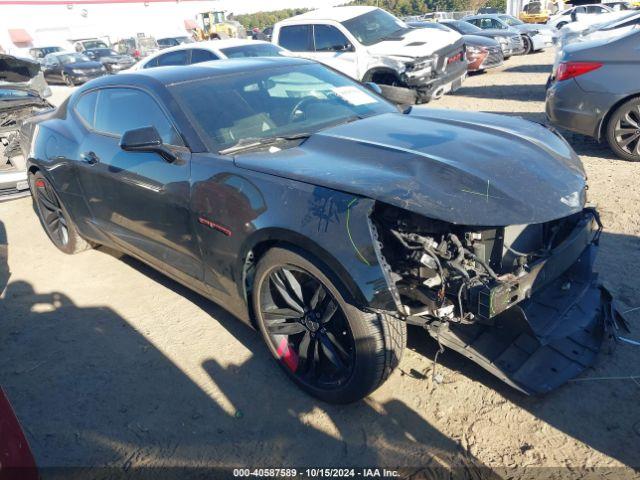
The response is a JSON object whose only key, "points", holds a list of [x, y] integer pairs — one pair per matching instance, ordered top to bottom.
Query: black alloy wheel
{"points": [[623, 130], [50, 210], [54, 218], [307, 328], [331, 348]]}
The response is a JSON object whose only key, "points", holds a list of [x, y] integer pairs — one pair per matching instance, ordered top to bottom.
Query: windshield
{"points": [[533, 7], [511, 21], [624, 21], [434, 25], [374, 26], [464, 27], [182, 40], [148, 42], [90, 44], [259, 50], [73, 58], [268, 103]]}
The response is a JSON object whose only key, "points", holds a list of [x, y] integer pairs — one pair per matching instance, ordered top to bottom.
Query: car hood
{"points": [[534, 27], [494, 32], [478, 41], [416, 42], [83, 65], [17, 70], [22, 74], [461, 167]]}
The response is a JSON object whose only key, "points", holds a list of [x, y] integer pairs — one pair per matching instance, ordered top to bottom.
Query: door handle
{"points": [[90, 157]]}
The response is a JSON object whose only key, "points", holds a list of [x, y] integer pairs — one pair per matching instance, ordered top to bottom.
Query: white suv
{"points": [[411, 65]]}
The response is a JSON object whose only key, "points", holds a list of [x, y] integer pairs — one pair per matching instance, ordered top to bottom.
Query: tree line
{"points": [[399, 8]]}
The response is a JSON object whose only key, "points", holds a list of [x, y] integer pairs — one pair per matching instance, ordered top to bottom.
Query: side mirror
{"points": [[91, 55], [374, 87], [146, 139]]}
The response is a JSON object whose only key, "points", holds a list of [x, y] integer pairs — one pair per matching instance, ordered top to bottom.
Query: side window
{"points": [[580, 10], [474, 21], [495, 23], [296, 38], [328, 38], [198, 55], [179, 57], [151, 63], [86, 107], [122, 109]]}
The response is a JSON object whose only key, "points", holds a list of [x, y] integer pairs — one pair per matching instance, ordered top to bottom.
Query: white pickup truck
{"points": [[411, 65]]}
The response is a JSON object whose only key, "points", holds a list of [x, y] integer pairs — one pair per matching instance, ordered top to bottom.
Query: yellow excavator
{"points": [[539, 11], [215, 25]]}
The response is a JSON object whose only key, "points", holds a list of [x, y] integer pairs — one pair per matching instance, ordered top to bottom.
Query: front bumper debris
{"points": [[543, 342]]}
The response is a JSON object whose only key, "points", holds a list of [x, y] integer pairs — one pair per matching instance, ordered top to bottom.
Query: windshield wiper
{"points": [[257, 142]]}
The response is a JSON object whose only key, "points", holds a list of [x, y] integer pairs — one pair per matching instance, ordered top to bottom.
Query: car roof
{"points": [[338, 14], [211, 45], [183, 73]]}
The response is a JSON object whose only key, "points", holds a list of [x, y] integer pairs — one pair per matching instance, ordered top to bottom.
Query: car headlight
{"points": [[533, 32], [473, 50], [423, 65], [77, 71]]}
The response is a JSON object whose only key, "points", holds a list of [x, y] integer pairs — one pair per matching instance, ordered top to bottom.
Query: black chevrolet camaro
{"points": [[313, 209]]}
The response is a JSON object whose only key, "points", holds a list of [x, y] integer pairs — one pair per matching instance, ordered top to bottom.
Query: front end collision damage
{"points": [[428, 77], [522, 301]]}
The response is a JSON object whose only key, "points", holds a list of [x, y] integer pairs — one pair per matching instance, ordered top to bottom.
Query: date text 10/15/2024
{"points": [[315, 472]]}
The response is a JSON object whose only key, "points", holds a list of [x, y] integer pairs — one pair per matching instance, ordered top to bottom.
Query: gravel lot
{"points": [[109, 363]]}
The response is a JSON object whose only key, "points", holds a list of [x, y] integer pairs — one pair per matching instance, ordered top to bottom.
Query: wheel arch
{"points": [[381, 70], [605, 118], [258, 244]]}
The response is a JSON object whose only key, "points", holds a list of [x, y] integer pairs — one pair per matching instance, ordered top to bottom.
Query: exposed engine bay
{"points": [[22, 92], [513, 298]]}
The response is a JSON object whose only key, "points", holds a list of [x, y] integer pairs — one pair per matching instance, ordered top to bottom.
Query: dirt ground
{"points": [[109, 363]]}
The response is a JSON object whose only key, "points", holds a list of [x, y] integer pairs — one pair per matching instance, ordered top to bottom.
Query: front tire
{"points": [[561, 24], [528, 44], [68, 81], [623, 130], [54, 217], [327, 346]]}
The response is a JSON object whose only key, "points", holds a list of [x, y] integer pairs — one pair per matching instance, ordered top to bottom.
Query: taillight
{"points": [[136, 53], [567, 70]]}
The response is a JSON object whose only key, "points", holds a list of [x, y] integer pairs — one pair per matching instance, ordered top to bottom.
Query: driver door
{"points": [[332, 48], [139, 199]]}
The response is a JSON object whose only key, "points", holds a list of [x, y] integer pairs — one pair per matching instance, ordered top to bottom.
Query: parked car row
{"points": [[593, 88]]}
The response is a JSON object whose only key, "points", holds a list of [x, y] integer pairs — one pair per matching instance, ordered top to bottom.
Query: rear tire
{"points": [[561, 24], [623, 130], [54, 217], [369, 345]]}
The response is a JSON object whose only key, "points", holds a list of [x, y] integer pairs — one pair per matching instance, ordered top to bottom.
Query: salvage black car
{"points": [[112, 60], [71, 68], [318, 212]]}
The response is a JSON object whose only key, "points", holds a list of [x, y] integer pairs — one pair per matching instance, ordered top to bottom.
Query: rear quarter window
{"points": [[296, 38], [85, 108]]}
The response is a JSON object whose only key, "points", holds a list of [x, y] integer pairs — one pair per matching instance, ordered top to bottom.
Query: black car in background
{"points": [[510, 41], [482, 52], [112, 60], [71, 68], [318, 212]]}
